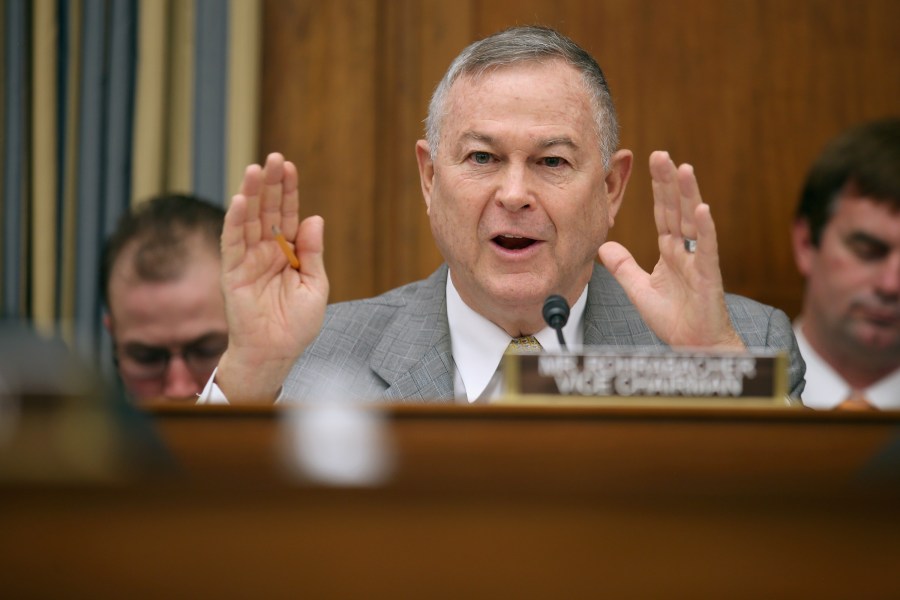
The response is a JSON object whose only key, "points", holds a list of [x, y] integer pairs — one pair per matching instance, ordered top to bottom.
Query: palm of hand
{"points": [[682, 304], [272, 306]]}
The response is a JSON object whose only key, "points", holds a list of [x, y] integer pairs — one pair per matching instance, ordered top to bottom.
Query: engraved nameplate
{"points": [[651, 378]]}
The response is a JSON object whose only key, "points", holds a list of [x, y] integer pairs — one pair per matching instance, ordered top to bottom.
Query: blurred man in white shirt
{"points": [[846, 238]]}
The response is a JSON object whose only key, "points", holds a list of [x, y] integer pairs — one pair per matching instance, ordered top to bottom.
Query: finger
{"points": [[251, 181], [273, 185], [251, 187], [689, 192], [666, 202], [290, 205], [659, 213], [232, 242], [707, 242], [311, 250], [621, 265]]}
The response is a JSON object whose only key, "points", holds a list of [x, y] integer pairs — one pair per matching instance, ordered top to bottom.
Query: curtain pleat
{"points": [[244, 60], [70, 62], [4, 89], [210, 95], [151, 101], [119, 103], [179, 139], [15, 149], [116, 155], [44, 167], [89, 187]]}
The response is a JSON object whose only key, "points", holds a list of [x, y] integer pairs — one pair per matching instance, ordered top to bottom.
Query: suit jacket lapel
{"points": [[414, 355]]}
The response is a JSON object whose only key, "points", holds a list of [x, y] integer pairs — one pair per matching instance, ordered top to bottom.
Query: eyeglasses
{"points": [[201, 356]]}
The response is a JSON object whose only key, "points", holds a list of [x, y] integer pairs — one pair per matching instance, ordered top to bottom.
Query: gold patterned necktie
{"points": [[527, 343], [856, 401]]}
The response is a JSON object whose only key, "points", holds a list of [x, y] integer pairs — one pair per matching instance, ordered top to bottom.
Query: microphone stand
{"points": [[556, 315]]}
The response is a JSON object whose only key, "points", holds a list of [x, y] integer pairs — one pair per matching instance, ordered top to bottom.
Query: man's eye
{"points": [[481, 158], [553, 161], [867, 249], [869, 252], [208, 347], [206, 350], [148, 356]]}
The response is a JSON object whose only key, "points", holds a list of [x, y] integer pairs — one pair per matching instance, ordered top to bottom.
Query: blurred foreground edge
{"points": [[60, 422]]}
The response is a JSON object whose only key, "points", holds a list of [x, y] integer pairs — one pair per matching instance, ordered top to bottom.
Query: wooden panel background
{"points": [[748, 91]]}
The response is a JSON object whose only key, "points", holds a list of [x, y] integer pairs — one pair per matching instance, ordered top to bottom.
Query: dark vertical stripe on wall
{"points": [[64, 13], [3, 88], [211, 91], [120, 112], [119, 116], [91, 134], [15, 149], [104, 150]]}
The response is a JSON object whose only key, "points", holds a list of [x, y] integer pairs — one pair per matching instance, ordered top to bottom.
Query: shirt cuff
{"points": [[211, 393]]}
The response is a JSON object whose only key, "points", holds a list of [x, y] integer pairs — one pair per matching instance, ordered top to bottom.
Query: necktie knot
{"points": [[527, 343]]}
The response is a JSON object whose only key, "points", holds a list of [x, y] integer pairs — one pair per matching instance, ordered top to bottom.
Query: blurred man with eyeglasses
{"points": [[164, 305]]}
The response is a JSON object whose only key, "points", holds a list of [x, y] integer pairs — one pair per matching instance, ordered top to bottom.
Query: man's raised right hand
{"points": [[274, 311]]}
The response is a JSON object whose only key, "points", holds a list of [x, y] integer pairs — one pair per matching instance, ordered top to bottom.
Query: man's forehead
{"points": [[556, 69], [558, 105], [866, 207], [860, 213], [194, 249], [195, 280], [165, 313]]}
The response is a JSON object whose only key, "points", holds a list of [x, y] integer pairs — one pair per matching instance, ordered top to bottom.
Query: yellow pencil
{"points": [[286, 248]]}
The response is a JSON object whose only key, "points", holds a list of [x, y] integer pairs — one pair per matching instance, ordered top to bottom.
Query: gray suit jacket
{"points": [[397, 346]]}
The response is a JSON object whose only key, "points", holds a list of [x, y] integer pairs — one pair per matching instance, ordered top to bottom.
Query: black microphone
{"points": [[556, 314]]}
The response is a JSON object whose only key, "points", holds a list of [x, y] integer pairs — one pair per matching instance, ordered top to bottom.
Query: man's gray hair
{"points": [[528, 44]]}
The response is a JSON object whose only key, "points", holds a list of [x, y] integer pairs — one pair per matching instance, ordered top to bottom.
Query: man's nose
{"points": [[514, 192], [888, 284], [179, 382]]}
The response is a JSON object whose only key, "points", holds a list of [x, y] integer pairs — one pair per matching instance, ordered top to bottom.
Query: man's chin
{"points": [[519, 293], [877, 339]]}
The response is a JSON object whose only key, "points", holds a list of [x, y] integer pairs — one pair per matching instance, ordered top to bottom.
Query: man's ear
{"points": [[426, 171], [616, 180], [804, 249], [108, 322]]}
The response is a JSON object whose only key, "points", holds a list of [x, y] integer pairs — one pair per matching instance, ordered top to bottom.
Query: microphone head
{"points": [[556, 311]]}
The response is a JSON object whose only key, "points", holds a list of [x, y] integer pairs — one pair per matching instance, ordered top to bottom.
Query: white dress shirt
{"points": [[477, 346], [825, 388]]}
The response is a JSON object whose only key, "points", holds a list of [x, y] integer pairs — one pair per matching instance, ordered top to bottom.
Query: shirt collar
{"points": [[478, 344], [825, 388]]}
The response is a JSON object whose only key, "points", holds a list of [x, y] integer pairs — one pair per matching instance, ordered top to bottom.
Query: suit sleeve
{"points": [[780, 336]]}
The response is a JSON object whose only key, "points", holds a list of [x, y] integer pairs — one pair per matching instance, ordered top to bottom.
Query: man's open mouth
{"points": [[513, 242]]}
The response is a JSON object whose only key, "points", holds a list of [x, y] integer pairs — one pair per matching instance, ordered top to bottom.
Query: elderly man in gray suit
{"points": [[522, 179]]}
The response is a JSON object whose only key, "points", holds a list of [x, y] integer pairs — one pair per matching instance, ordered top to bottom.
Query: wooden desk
{"points": [[486, 502]]}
